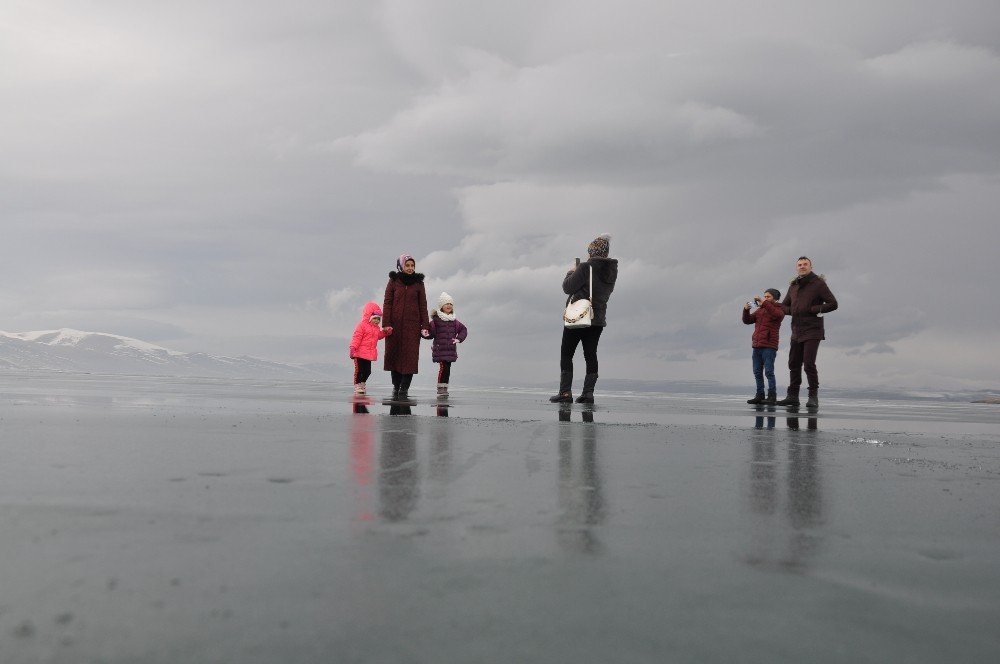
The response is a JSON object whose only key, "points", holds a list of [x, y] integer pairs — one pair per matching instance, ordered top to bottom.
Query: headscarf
{"points": [[401, 261]]}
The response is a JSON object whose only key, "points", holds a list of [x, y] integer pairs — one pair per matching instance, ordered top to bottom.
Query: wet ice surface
{"points": [[161, 520]]}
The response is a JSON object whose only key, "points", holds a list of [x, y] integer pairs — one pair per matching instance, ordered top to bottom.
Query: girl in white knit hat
{"points": [[446, 333]]}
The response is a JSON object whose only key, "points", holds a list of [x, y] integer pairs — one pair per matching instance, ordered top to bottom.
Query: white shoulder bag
{"points": [[581, 312]]}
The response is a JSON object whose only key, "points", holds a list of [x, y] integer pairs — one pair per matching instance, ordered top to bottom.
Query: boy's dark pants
{"points": [[803, 353], [763, 365]]}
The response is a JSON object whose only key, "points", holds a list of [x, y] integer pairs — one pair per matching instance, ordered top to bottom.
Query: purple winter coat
{"points": [[442, 333]]}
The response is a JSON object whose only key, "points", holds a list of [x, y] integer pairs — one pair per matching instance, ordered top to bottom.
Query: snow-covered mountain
{"points": [[97, 352]]}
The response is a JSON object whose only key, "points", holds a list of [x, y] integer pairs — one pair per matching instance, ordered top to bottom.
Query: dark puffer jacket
{"points": [[576, 285], [808, 296], [405, 311], [766, 321], [442, 333]]}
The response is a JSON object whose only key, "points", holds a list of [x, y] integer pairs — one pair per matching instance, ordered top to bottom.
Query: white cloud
{"points": [[339, 299]]}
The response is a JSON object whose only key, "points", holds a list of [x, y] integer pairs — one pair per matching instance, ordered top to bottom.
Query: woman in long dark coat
{"points": [[405, 311]]}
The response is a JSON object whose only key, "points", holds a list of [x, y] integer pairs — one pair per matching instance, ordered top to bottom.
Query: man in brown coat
{"points": [[807, 299]]}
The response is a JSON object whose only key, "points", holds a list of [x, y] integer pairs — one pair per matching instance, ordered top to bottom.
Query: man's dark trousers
{"points": [[803, 353]]}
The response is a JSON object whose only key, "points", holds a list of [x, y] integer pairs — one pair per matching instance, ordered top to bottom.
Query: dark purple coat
{"points": [[808, 296], [405, 311], [442, 333]]}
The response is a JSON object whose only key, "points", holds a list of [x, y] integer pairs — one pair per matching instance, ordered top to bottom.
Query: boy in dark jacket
{"points": [[766, 321]]}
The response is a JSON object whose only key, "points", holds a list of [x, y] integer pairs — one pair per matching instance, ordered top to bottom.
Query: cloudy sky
{"points": [[239, 176]]}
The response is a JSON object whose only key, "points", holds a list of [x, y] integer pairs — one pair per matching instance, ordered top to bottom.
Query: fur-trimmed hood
{"points": [[806, 278], [408, 279]]}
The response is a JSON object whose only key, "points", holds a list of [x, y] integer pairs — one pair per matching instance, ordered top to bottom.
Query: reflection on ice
{"points": [[566, 413], [363, 460], [398, 480], [802, 494], [581, 495], [353, 518]]}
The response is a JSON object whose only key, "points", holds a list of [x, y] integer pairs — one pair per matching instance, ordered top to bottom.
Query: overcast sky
{"points": [[239, 176]]}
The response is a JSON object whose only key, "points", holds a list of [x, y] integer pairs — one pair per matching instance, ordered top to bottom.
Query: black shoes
{"points": [[587, 395], [562, 397], [758, 399], [790, 401]]}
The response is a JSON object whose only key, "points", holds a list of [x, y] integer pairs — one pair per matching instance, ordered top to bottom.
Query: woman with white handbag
{"points": [[589, 286]]}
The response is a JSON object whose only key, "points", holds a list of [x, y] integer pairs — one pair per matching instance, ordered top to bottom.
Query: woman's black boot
{"points": [[565, 385], [587, 396]]}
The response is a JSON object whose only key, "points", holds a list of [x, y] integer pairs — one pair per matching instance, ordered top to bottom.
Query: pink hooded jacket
{"points": [[364, 343]]}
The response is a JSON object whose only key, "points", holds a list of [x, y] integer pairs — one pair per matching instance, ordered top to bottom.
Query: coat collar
{"points": [[408, 279], [804, 279]]}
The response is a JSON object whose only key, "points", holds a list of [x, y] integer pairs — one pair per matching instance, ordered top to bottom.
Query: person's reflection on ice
{"points": [[565, 412], [758, 422], [793, 423], [440, 452], [363, 458], [763, 477], [398, 478], [581, 496], [803, 506]]}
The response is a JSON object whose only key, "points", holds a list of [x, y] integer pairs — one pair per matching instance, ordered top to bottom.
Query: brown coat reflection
{"points": [[398, 478], [802, 510]]}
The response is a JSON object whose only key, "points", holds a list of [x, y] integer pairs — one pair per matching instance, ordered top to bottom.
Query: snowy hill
{"points": [[96, 352]]}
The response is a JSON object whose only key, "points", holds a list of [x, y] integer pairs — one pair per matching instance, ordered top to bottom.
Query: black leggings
{"points": [[589, 337], [362, 370], [444, 373]]}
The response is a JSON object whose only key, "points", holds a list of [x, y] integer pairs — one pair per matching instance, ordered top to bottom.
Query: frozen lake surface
{"points": [[182, 520]]}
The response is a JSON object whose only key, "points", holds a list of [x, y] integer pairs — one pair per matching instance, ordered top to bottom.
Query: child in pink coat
{"points": [[364, 344]]}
